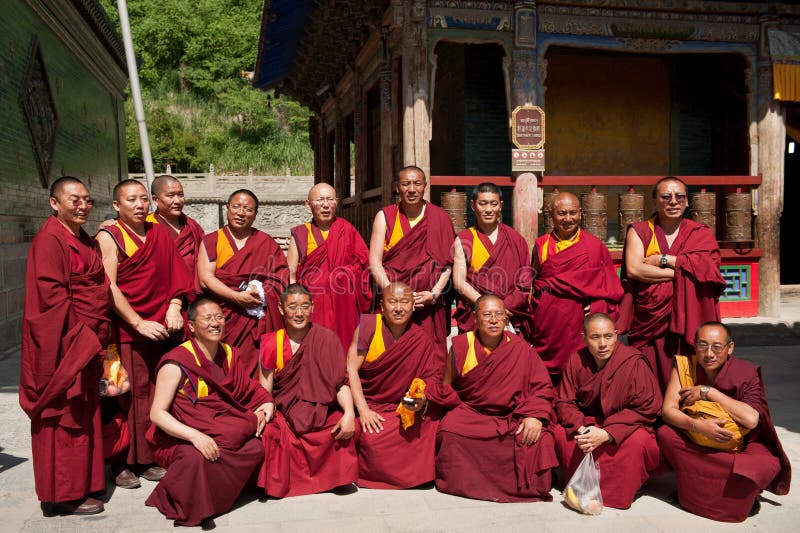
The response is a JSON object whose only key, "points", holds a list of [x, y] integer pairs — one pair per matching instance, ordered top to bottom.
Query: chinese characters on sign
{"points": [[527, 127]]}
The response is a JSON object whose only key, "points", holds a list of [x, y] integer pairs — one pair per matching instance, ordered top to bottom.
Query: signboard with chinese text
{"points": [[527, 127], [527, 160]]}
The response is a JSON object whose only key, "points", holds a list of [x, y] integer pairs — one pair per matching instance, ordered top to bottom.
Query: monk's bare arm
{"points": [[376, 251], [293, 258], [636, 267], [460, 274], [208, 280], [147, 328], [449, 368], [266, 378], [167, 383], [743, 414], [672, 415], [370, 420], [345, 428]]}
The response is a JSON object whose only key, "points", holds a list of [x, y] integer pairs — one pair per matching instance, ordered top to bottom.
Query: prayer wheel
{"points": [[455, 204], [547, 204], [703, 208], [631, 210], [595, 217], [737, 217]]}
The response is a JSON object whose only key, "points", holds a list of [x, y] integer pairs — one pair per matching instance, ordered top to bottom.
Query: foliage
{"points": [[199, 110]]}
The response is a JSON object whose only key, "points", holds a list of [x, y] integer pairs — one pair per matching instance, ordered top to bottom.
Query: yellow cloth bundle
{"points": [[415, 390]]}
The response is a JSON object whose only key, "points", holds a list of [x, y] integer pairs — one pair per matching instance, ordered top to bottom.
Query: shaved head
{"points": [[160, 182], [58, 186], [321, 190], [117, 192], [564, 198], [396, 287], [485, 298], [596, 318]]}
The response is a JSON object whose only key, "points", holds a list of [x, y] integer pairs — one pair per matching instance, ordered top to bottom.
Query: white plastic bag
{"points": [[583, 490]]}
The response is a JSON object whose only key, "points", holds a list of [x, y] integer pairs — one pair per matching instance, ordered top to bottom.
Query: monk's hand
{"points": [[423, 298], [248, 299], [174, 319], [152, 330], [689, 395], [264, 414], [371, 421], [345, 428], [714, 429], [529, 430], [592, 439], [206, 446]]}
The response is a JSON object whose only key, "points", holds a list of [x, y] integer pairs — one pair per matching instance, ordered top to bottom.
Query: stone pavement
{"points": [[420, 510]]}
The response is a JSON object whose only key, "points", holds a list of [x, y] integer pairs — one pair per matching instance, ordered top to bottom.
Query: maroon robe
{"points": [[187, 241], [261, 258], [418, 259], [506, 273], [336, 275], [148, 279], [565, 283], [661, 318], [65, 331], [622, 398], [301, 454], [478, 454], [398, 458], [730, 482], [194, 488]]}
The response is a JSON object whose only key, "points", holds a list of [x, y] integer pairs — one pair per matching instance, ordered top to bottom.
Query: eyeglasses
{"points": [[667, 198], [323, 201], [237, 207], [301, 307], [488, 315], [208, 319], [716, 348]]}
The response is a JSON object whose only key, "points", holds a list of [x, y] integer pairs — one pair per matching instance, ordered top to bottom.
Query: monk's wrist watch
{"points": [[663, 262], [704, 392]]}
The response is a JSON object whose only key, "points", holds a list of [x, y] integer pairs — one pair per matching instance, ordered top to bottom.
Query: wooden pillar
{"points": [[526, 88], [387, 107], [416, 112], [317, 141], [771, 146], [341, 174]]}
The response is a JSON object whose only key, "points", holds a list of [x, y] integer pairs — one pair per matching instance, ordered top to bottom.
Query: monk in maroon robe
{"points": [[168, 197], [411, 242], [329, 258], [492, 258], [233, 262], [574, 277], [672, 279], [149, 283], [65, 331], [388, 353], [606, 404], [207, 417], [497, 442], [308, 444], [712, 482]]}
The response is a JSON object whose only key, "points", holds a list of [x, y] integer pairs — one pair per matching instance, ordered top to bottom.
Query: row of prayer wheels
{"points": [[702, 208]]}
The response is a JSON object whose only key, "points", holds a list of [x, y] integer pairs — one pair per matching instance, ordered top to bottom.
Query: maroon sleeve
{"points": [[638, 391], [537, 402], [567, 412]]}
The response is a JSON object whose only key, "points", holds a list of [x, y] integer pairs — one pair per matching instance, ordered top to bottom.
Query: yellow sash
{"points": [[151, 217], [397, 233], [312, 242], [561, 245], [652, 246], [224, 249], [479, 252], [280, 337], [376, 345], [470, 360], [202, 387], [704, 409]]}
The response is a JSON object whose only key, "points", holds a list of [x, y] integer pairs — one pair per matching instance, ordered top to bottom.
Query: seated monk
{"points": [[388, 353], [607, 403], [207, 416], [719, 437], [497, 442], [308, 443]]}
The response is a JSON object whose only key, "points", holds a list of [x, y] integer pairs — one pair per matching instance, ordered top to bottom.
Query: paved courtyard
{"points": [[421, 510]]}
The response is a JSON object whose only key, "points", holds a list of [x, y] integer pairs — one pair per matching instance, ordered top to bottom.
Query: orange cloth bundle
{"points": [[115, 378], [416, 390]]}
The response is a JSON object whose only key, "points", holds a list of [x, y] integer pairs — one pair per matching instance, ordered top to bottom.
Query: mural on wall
{"points": [[36, 102]]}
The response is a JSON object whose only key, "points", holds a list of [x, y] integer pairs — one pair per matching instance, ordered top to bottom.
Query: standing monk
{"points": [[167, 194], [411, 242], [329, 258], [491, 258], [233, 261], [671, 269], [574, 277], [149, 282], [65, 331], [388, 353], [607, 404], [207, 417], [718, 435], [497, 441], [308, 444]]}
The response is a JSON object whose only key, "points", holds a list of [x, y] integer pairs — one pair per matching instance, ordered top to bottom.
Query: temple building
{"points": [[625, 92]]}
